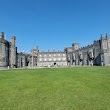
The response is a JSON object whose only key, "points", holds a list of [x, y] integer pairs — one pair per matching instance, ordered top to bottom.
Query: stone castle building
{"points": [[8, 51], [97, 53], [36, 58], [51, 58]]}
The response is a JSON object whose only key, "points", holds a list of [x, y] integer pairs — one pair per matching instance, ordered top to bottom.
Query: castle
{"points": [[97, 53]]}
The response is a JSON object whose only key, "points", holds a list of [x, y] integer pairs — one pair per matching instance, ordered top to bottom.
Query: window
{"points": [[63, 54], [39, 55], [49, 55], [40, 59], [45, 59], [50, 59], [54, 59], [59, 59], [64, 59], [6, 60]]}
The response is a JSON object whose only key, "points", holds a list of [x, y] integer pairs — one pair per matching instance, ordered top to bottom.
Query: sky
{"points": [[54, 24]]}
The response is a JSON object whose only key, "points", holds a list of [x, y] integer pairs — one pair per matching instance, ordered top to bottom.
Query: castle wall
{"points": [[97, 53], [83, 56], [107, 59], [21, 60], [26, 60]]}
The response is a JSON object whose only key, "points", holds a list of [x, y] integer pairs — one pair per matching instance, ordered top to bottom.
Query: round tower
{"points": [[12, 51]]}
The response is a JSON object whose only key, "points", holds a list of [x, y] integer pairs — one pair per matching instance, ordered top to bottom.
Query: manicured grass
{"points": [[77, 88]]}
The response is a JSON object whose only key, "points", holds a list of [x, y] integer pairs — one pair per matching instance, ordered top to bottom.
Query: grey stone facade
{"points": [[8, 51], [97, 53], [51, 58]]}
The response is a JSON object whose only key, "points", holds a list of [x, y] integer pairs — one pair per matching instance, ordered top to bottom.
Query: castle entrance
{"points": [[27, 63], [55, 63]]}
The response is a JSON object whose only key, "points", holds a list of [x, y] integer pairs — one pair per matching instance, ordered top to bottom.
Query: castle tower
{"points": [[2, 35], [105, 43], [75, 46], [105, 50], [2, 51], [12, 51], [4, 56]]}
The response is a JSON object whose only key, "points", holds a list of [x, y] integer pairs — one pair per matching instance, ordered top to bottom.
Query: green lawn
{"points": [[77, 88]]}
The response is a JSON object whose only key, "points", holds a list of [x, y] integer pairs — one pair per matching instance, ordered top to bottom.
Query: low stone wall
{"points": [[3, 68]]}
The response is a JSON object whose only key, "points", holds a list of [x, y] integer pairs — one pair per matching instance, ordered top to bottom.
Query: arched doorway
{"points": [[55, 63]]}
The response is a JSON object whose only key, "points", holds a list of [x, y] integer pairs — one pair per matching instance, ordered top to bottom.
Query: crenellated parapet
{"points": [[86, 47]]}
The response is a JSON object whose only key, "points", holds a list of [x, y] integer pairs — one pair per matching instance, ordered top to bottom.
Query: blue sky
{"points": [[54, 24]]}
